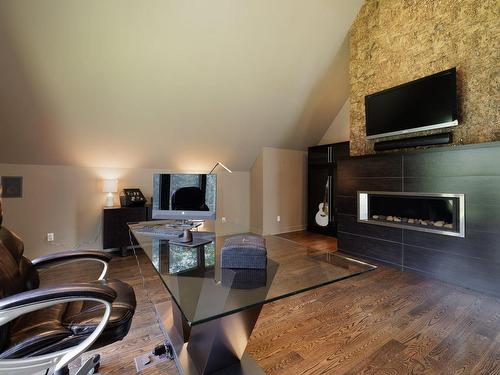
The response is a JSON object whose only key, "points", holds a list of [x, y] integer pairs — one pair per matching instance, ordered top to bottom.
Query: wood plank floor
{"points": [[313, 240], [382, 322]]}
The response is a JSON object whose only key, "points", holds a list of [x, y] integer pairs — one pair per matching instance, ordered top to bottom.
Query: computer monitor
{"points": [[184, 196]]}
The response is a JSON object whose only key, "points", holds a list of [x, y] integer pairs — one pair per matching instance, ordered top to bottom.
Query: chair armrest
{"points": [[65, 256], [56, 259], [61, 293], [22, 303]]}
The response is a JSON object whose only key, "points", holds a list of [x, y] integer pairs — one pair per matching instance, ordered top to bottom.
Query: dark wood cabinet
{"points": [[319, 155], [322, 186], [115, 233]]}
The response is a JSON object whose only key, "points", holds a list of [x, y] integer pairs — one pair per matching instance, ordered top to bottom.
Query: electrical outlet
{"points": [[278, 218], [223, 219], [50, 237]]}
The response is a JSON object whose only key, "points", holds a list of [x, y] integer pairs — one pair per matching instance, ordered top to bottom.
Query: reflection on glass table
{"points": [[175, 259], [214, 310]]}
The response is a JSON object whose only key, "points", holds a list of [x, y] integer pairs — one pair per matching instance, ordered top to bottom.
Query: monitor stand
{"points": [[184, 224], [187, 236]]}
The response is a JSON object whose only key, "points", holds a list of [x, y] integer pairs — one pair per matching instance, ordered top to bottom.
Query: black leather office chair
{"points": [[46, 328]]}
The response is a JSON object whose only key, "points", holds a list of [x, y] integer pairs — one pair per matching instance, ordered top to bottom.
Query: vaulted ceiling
{"points": [[171, 84]]}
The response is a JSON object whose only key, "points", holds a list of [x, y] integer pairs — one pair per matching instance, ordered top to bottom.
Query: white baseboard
{"points": [[292, 228], [256, 230]]}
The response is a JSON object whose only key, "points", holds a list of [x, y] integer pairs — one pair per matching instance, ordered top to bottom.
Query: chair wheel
{"points": [[97, 363]]}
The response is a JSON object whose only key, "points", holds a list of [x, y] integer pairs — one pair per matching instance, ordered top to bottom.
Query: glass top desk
{"points": [[214, 310]]}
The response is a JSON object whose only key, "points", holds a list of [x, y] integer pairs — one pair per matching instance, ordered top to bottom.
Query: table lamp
{"points": [[110, 187]]}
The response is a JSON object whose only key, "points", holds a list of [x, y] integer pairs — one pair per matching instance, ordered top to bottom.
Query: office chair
{"points": [[43, 329]]}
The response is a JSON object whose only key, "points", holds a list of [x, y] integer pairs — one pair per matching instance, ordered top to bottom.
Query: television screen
{"points": [[424, 104], [184, 196]]}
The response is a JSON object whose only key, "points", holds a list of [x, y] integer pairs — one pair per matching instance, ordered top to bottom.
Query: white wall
{"points": [[339, 129], [68, 202]]}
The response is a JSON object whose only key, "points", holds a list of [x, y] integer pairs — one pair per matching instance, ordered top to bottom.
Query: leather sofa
{"points": [[46, 328]]}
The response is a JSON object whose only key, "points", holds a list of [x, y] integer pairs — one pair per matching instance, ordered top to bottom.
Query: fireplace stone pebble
{"points": [[397, 219]]}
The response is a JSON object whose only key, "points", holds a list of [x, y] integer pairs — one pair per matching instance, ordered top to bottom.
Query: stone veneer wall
{"points": [[396, 41]]}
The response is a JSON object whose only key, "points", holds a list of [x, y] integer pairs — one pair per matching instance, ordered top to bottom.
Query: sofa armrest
{"points": [[56, 259]]}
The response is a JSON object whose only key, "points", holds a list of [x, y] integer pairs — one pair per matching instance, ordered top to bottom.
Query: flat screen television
{"points": [[424, 104], [183, 196]]}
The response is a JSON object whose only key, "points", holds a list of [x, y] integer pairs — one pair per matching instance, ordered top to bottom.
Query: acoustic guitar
{"points": [[321, 217]]}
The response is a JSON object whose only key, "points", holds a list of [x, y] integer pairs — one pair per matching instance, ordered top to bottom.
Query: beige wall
{"points": [[393, 41], [110, 83], [339, 129], [279, 182], [256, 196], [68, 202], [233, 202]]}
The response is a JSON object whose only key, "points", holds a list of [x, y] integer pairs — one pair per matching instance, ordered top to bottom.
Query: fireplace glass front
{"points": [[441, 213]]}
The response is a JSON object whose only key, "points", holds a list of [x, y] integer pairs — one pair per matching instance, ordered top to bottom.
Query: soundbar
{"points": [[427, 140]]}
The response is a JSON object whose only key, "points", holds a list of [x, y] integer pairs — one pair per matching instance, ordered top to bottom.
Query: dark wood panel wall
{"points": [[322, 164], [473, 261]]}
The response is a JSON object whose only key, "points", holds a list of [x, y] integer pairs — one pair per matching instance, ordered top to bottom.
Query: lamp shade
{"points": [[110, 186]]}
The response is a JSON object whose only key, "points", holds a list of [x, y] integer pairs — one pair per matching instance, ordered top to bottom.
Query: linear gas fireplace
{"points": [[442, 213]]}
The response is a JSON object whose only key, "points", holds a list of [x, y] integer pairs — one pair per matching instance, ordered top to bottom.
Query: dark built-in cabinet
{"points": [[322, 182], [115, 233]]}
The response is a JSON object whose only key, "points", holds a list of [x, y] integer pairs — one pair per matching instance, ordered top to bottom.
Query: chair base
{"points": [[89, 367]]}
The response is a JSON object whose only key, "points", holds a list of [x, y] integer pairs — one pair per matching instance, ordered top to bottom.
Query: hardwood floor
{"points": [[314, 240], [383, 322]]}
